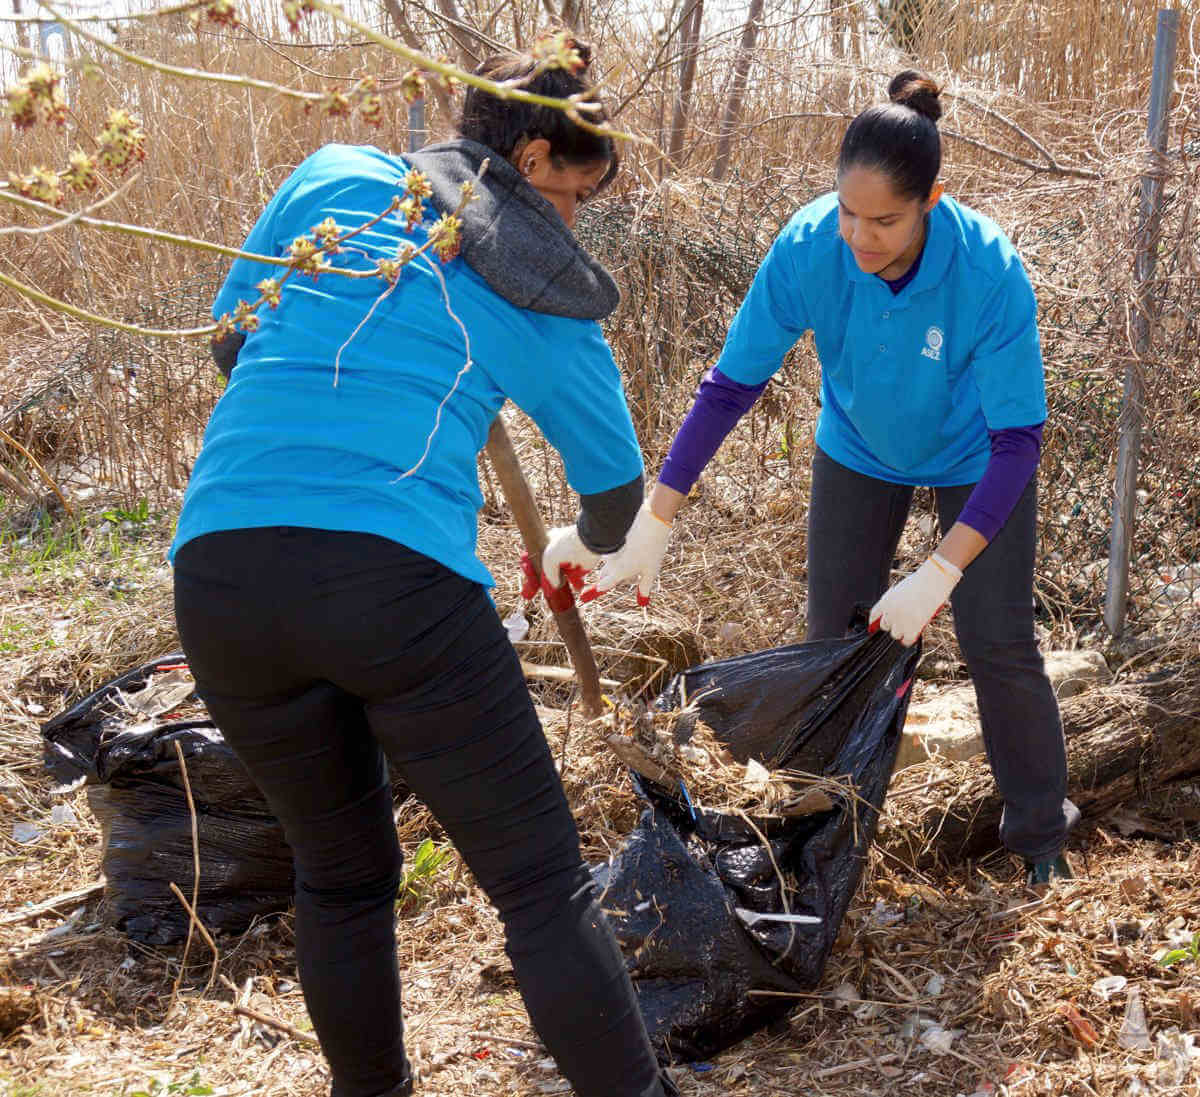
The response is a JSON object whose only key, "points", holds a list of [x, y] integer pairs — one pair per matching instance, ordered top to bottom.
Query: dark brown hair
{"points": [[501, 124], [900, 139]]}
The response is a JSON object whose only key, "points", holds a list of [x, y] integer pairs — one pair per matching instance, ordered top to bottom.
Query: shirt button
{"points": [[887, 315], [882, 347]]}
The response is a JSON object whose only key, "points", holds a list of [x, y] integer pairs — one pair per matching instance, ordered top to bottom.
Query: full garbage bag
{"points": [[121, 742], [126, 754], [686, 891]]}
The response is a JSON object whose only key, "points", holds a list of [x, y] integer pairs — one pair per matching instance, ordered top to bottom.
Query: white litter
{"points": [[517, 626], [25, 833], [750, 917], [1108, 986], [1134, 1035], [938, 1039]]}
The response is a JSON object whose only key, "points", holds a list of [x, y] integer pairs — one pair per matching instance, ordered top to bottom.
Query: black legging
{"points": [[317, 652]]}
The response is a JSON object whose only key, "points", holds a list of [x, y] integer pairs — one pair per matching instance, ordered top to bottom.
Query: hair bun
{"points": [[584, 49], [915, 90]]}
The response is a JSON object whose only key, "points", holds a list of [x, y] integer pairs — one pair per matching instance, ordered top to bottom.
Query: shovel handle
{"points": [[533, 533]]}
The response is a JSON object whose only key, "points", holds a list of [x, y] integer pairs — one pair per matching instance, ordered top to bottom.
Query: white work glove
{"points": [[567, 557], [639, 558], [911, 604]]}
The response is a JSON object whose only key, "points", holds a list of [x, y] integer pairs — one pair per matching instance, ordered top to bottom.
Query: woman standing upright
{"points": [[931, 374], [327, 589]]}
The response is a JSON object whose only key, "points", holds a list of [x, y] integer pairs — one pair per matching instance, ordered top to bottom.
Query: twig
{"points": [[156, 13], [180, 72], [571, 106], [1053, 168], [7, 194], [72, 218], [56, 305], [5, 436], [559, 674], [53, 906], [193, 917], [208, 940], [826, 997], [268, 1020], [530, 1044], [857, 1064]]}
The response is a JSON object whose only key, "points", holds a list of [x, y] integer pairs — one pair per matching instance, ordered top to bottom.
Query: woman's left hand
{"points": [[911, 604]]}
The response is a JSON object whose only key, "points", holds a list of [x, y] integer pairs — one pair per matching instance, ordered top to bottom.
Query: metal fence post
{"points": [[416, 125], [1149, 218]]}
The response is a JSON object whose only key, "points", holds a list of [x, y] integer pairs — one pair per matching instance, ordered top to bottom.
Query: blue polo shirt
{"points": [[911, 382], [287, 446]]}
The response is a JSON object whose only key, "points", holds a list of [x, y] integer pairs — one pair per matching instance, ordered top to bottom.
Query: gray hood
{"points": [[512, 237]]}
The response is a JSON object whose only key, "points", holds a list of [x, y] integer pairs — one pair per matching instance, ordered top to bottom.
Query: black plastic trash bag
{"points": [[119, 742], [135, 790], [683, 891]]}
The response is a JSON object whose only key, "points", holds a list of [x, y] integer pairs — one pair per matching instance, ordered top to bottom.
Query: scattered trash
{"points": [[517, 625], [163, 692], [34, 708], [823, 710], [757, 776], [61, 815], [25, 832], [884, 915], [752, 917], [64, 929], [935, 986], [1108, 986], [846, 993], [912, 1026], [1134, 1035], [938, 1040], [1176, 1054]]}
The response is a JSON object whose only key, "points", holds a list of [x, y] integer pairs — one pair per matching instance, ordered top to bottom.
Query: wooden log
{"points": [[1122, 740]]}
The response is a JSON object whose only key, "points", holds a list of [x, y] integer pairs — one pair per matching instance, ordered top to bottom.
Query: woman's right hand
{"points": [[640, 558]]}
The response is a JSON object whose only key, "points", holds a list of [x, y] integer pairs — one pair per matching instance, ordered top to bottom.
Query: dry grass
{"points": [[87, 1011]]}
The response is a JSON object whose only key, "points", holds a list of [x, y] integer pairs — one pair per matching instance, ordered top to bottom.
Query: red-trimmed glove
{"points": [[567, 555], [639, 558], [564, 564], [559, 599], [912, 603]]}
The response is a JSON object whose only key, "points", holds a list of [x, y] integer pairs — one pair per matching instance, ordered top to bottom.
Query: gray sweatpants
{"points": [[854, 528]]}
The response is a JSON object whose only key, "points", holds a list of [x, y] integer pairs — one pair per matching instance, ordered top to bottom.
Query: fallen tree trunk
{"points": [[1122, 740]]}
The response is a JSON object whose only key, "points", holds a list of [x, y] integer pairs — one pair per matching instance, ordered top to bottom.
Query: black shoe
{"points": [[1043, 873]]}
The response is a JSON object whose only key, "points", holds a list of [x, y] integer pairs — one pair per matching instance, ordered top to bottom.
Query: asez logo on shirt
{"points": [[934, 338]]}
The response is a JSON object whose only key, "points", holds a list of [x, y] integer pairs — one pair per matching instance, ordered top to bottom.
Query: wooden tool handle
{"points": [[533, 532]]}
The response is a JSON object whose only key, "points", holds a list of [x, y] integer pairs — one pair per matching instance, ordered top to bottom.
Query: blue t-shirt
{"points": [[910, 382], [285, 446]]}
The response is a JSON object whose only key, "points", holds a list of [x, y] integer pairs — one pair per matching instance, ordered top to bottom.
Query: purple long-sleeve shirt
{"points": [[720, 402]]}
